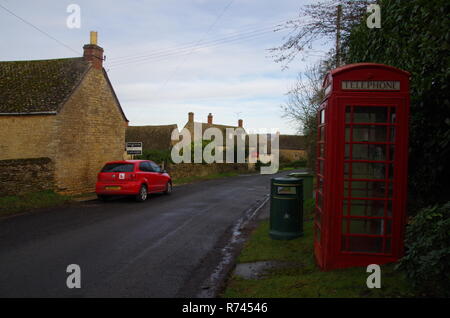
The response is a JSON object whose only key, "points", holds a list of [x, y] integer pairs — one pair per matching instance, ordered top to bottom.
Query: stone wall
{"points": [[91, 131], [30, 136], [184, 170], [26, 175]]}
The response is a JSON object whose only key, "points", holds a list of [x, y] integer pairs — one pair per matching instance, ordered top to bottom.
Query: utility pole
{"points": [[338, 35]]}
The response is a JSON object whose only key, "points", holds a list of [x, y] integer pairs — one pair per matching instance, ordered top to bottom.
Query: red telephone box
{"points": [[362, 156]]}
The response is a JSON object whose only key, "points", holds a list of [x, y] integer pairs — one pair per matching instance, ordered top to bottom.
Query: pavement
{"points": [[168, 246]]}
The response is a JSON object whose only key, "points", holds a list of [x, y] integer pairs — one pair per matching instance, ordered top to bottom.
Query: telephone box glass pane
{"points": [[348, 114], [370, 114], [393, 115], [322, 116], [369, 133], [392, 134], [366, 152], [392, 152], [365, 170], [366, 189], [365, 207], [363, 226], [365, 244], [387, 248]]}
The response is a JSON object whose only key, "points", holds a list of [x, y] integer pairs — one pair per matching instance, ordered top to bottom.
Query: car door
{"points": [[147, 176], [159, 177]]}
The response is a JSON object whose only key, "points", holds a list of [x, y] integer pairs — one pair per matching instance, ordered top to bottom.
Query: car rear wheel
{"points": [[168, 188], [142, 195]]}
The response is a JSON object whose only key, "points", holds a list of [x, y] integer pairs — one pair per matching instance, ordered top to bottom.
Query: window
{"points": [[322, 116], [118, 167], [143, 167], [154, 167]]}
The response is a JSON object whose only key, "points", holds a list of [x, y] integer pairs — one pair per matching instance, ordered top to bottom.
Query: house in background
{"points": [[64, 110], [209, 124], [152, 137]]}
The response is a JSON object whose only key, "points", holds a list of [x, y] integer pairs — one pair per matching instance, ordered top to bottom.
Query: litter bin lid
{"points": [[299, 173], [287, 180]]}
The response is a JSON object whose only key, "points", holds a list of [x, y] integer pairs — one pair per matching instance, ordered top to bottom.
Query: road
{"points": [[158, 248]]}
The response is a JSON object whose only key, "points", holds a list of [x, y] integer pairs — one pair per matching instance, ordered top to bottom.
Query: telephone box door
{"points": [[368, 220]]}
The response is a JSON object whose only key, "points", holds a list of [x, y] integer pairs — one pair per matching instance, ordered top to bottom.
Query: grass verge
{"points": [[34, 200], [303, 278]]}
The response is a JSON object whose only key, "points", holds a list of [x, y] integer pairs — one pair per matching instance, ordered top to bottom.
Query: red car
{"points": [[132, 177]]}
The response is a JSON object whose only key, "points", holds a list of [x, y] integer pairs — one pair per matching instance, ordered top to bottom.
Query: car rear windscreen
{"points": [[118, 167]]}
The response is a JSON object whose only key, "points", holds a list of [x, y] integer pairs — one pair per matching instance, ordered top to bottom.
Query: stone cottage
{"points": [[64, 110], [209, 124]]}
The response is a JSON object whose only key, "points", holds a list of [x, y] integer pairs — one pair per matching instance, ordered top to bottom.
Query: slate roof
{"points": [[40, 86], [152, 137]]}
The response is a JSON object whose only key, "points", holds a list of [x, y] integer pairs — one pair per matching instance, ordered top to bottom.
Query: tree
{"points": [[326, 20], [320, 21], [414, 36], [302, 105]]}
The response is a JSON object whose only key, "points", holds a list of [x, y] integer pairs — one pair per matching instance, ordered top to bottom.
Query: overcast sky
{"points": [[168, 57]]}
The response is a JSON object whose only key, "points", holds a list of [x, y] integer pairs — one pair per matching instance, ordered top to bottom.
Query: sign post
{"points": [[134, 148]]}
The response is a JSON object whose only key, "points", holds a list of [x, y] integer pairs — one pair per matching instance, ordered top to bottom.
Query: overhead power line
{"points": [[39, 29], [242, 29], [187, 49], [183, 53], [163, 54], [188, 54]]}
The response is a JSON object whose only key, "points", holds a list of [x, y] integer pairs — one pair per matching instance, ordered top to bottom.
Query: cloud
{"points": [[230, 80]]}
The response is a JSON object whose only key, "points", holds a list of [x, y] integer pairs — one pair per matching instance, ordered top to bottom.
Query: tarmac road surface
{"points": [[125, 248]]}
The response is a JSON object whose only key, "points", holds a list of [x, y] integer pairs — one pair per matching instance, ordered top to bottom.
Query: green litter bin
{"points": [[307, 183], [286, 208]]}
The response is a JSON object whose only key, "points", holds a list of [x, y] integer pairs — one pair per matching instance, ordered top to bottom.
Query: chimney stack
{"points": [[93, 53], [191, 117], [210, 118], [240, 123]]}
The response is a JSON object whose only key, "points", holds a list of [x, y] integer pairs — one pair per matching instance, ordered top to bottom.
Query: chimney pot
{"points": [[94, 37], [93, 53], [191, 116], [210, 119], [240, 123]]}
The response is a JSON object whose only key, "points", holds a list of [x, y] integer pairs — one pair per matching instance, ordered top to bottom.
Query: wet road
{"points": [[124, 248]]}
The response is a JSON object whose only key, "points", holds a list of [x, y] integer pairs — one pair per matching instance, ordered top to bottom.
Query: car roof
{"points": [[126, 161]]}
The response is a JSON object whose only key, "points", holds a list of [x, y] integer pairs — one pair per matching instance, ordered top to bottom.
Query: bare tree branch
{"points": [[318, 22]]}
